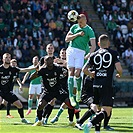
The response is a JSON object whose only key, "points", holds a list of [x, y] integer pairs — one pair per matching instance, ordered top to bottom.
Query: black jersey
{"points": [[103, 61], [7, 78], [51, 78]]}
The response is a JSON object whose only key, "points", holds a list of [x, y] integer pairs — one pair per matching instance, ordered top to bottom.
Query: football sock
{"points": [[78, 81], [70, 86], [30, 101], [37, 103], [77, 103], [2, 106], [8, 108], [47, 110], [21, 112], [59, 112], [39, 114], [71, 114], [77, 116], [86, 116], [99, 117], [106, 120], [97, 127]]}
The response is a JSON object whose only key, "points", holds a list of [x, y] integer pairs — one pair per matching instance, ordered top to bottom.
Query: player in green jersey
{"points": [[78, 38], [35, 86]]}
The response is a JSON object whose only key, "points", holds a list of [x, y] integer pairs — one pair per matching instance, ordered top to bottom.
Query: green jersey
{"points": [[81, 42], [36, 80]]}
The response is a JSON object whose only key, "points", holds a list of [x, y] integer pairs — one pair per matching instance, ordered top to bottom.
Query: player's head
{"points": [[82, 20], [103, 41], [50, 49], [63, 53], [6, 58], [35, 60], [48, 60], [13, 63]]}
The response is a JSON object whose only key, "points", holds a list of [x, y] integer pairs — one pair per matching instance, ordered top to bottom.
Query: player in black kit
{"points": [[104, 60], [51, 76], [7, 77]]}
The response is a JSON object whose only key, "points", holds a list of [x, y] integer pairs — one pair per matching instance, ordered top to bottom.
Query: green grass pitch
{"points": [[121, 121]]}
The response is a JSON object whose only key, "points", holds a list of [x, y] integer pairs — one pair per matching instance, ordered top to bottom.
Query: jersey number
{"points": [[103, 61]]}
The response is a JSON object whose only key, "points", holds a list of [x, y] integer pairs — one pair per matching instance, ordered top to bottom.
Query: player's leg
{"points": [[79, 61], [71, 68], [1, 104], [8, 107], [48, 110], [60, 111]]}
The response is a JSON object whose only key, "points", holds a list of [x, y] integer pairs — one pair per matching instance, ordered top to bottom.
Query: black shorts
{"points": [[49, 96], [103, 96], [9, 97]]}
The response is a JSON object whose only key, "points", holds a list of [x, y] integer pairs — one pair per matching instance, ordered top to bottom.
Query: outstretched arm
{"points": [[33, 75], [25, 77]]}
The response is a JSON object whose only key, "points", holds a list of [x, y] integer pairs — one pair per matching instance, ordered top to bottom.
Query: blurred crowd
{"points": [[117, 18], [27, 26]]}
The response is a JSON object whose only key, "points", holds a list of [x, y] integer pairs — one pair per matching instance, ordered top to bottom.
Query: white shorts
{"points": [[75, 57], [35, 89]]}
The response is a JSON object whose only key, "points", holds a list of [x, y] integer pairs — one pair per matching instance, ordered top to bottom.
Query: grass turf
{"points": [[121, 121]]}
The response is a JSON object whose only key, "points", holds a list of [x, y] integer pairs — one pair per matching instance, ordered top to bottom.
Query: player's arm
{"points": [[70, 36], [93, 47], [119, 69], [87, 71], [34, 75], [25, 77], [19, 83]]}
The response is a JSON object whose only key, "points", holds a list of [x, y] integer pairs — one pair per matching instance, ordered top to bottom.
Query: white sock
{"points": [[89, 124], [97, 131]]}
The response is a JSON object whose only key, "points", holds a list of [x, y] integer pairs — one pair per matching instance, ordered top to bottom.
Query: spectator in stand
{"points": [[108, 6], [44, 7], [115, 7], [131, 7], [100, 9], [49, 15], [115, 16], [106, 17], [128, 17], [121, 18], [59, 23], [2, 24], [36, 24], [44, 24], [52, 24], [130, 25], [111, 26], [129, 42], [55, 43], [41, 51], [17, 52], [33, 52], [128, 56]]}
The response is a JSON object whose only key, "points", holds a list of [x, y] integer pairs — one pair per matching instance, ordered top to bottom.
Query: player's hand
{"points": [[81, 33], [92, 74], [118, 75]]}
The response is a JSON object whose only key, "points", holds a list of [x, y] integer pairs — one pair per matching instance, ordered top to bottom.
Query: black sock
{"points": [[2, 106], [8, 108], [47, 110], [21, 112], [39, 114], [71, 114], [77, 115], [86, 116], [99, 117], [106, 120], [97, 126]]}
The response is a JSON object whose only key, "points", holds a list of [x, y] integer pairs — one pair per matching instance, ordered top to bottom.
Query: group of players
{"points": [[58, 76]]}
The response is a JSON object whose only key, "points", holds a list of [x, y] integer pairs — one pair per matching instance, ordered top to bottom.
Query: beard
{"points": [[8, 63]]}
